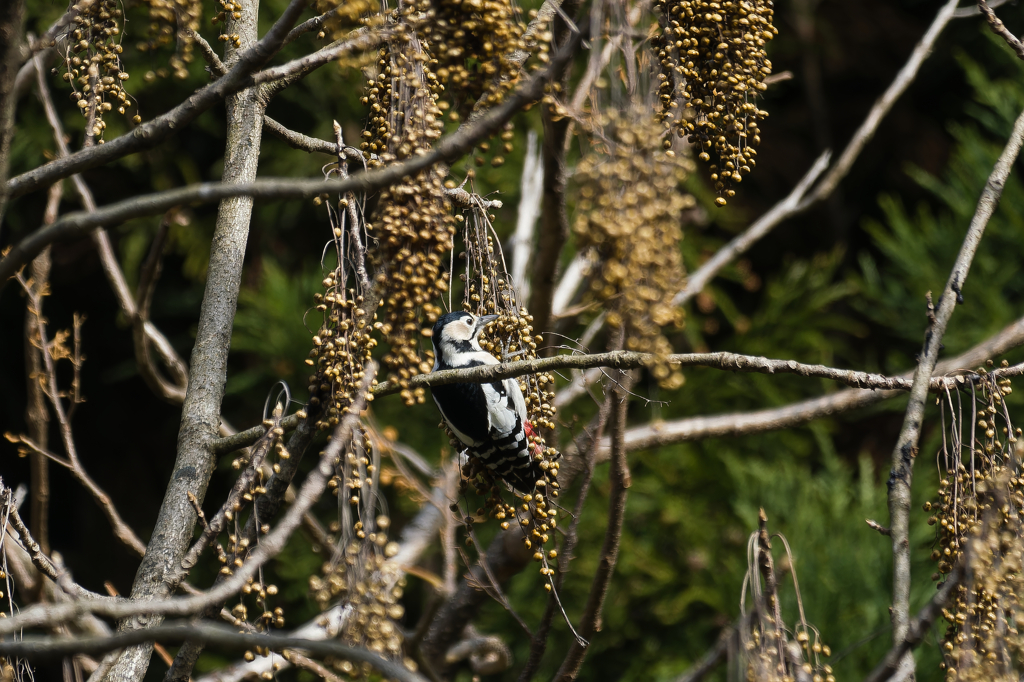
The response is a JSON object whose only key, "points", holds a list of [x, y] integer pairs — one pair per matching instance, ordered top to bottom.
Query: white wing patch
{"points": [[501, 420]]}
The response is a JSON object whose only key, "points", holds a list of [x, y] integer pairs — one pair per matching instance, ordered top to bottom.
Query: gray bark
{"points": [[200, 418]]}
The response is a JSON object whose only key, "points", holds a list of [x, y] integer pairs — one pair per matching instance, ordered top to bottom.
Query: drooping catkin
{"points": [[713, 58], [629, 212], [413, 227], [978, 520]]}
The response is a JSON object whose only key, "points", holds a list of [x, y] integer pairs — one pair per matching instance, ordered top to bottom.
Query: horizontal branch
{"points": [[447, 149], [622, 359], [632, 360], [760, 421], [34, 648]]}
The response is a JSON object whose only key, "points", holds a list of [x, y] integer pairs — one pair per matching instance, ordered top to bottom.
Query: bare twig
{"points": [[973, 11], [999, 28], [277, 78], [297, 140], [448, 148], [464, 199], [786, 208], [354, 222], [37, 418], [760, 421], [906, 446], [620, 483], [875, 525], [121, 529], [39, 558]]}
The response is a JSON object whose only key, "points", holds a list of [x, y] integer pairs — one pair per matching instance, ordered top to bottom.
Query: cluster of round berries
{"points": [[712, 56], [93, 62], [629, 212]]}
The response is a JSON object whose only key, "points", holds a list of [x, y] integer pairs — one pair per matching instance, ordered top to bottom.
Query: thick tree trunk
{"points": [[200, 418]]}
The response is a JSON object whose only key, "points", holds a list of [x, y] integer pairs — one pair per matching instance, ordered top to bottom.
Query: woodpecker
{"points": [[490, 418]]}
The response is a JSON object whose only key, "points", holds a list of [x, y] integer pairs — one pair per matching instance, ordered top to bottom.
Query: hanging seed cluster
{"points": [[345, 16], [174, 21], [473, 42], [712, 54], [93, 61], [629, 211], [414, 227], [341, 348], [980, 501], [358, 573], [363, 580], [253, 609]]}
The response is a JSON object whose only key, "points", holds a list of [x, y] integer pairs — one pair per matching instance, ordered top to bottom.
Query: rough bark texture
{"points": [[12, 14], [37, 417], [200, 419], [905, 452]]}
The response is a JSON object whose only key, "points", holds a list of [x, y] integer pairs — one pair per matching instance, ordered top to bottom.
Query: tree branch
{"points": [[999, 28], [451, 147], [1013, 335], [760, 421], [906, 446], [620, 483], [53, 647]]}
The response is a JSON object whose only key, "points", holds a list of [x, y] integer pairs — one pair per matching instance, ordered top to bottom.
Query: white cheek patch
{"points": [[460, 331]]}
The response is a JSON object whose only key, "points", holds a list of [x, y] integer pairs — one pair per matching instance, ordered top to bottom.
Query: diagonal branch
{"points": [[999, 28], [161, 128], [449, 148], [799, 200], [760, 421], [906, 446], [620, 483], [47, 615]]}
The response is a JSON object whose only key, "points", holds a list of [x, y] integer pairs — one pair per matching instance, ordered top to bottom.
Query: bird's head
{"points": [[459, 332]]}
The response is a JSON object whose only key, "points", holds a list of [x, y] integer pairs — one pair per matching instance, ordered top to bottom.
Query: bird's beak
{"points": [[483, 321]]}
